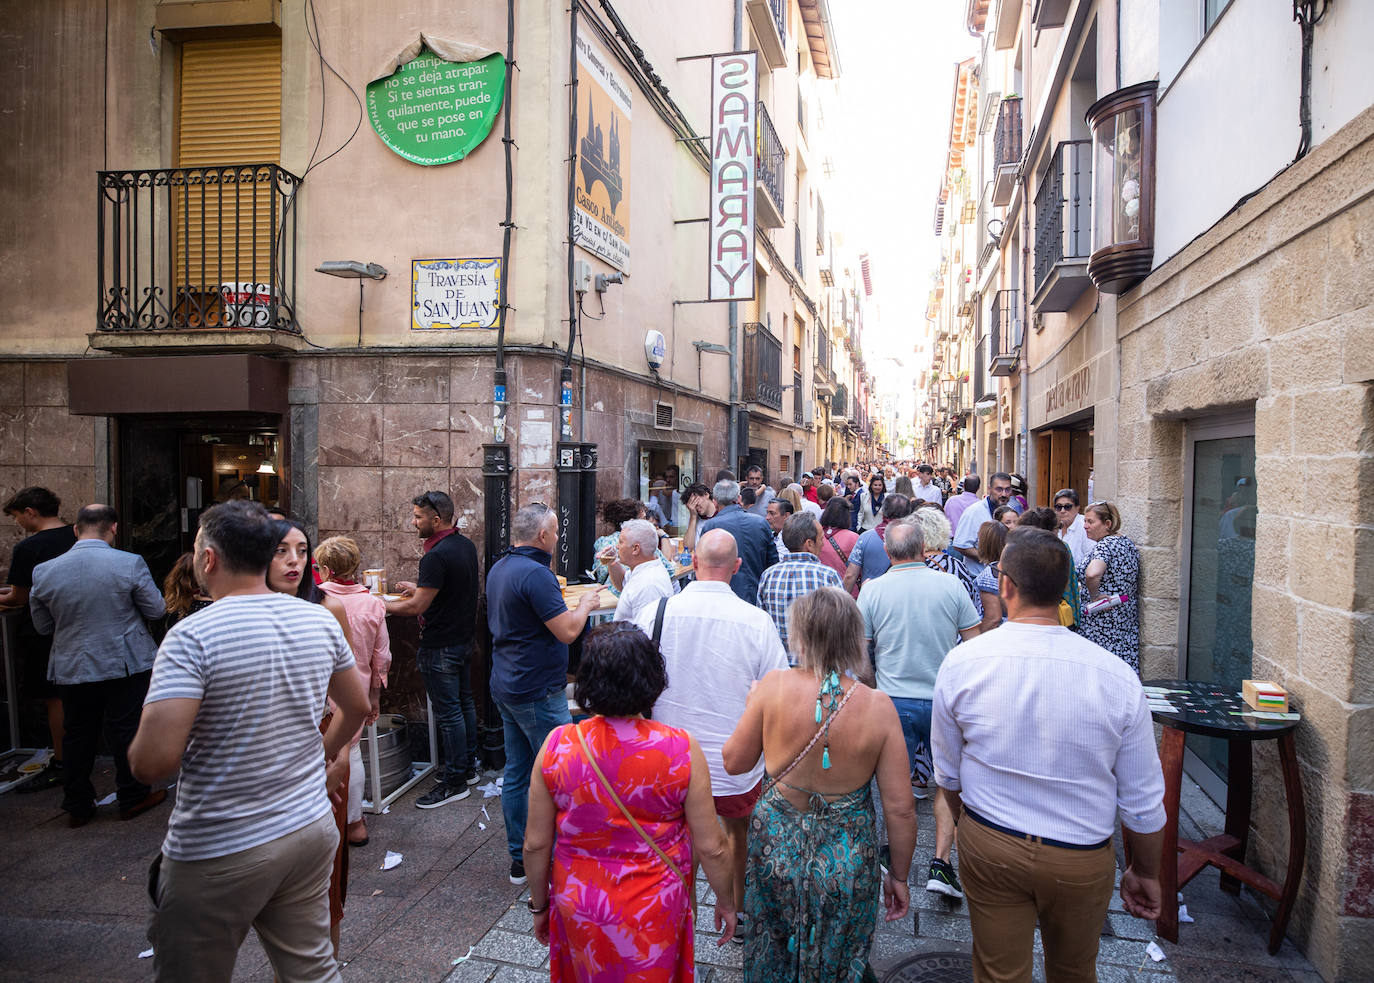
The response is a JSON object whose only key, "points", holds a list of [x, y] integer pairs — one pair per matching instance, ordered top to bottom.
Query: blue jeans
{"points": [[445, 672], [914, 716], [526, 726]]}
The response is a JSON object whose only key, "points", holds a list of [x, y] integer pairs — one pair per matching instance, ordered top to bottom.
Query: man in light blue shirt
{"points": [[973, 517], [914, 615]]}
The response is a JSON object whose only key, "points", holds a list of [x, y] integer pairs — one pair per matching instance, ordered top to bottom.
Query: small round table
{"points": [[1212, 710]]}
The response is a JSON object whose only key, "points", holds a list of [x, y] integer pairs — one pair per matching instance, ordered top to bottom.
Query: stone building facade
{"points": [[1267, 314]]}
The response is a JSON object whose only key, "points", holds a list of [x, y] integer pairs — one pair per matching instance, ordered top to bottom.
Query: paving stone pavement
{"points": [[74, 907]]}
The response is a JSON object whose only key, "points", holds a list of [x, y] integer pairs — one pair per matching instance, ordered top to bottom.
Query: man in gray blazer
{"points": [[93, 600]]}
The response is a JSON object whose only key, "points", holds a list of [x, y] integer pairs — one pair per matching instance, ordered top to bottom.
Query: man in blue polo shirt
{"points": [[531, 627]]}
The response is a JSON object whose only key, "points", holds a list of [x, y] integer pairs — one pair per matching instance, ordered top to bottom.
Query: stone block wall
{"points": [[1270, 310], [389, 426], [42, 444]]}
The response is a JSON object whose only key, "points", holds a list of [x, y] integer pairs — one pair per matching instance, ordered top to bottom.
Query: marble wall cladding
{"points": [[392, 426], [41, 443]]}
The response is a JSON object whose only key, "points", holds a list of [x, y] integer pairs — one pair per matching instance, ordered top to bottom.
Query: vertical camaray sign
{"points": [[734, 122]]}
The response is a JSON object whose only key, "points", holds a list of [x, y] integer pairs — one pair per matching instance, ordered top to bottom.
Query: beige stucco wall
{"points": [[1271, 309]]}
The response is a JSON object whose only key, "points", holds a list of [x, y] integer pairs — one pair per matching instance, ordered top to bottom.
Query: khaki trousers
{"points": [[1011, 883], [203, 909]]}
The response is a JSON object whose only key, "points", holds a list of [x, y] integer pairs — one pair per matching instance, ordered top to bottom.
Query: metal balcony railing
{"points": [[779, 9], [801, 115], [1006, 139], [769, 159], [1063, 209], [820, 227], [197, 247], [800, 257], [1001, 318], [822, 348], [762, 367], [839, 403], [797, 416]]}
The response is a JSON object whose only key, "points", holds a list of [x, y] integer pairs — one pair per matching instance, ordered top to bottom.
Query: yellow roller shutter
{"points": [[228, 113]]}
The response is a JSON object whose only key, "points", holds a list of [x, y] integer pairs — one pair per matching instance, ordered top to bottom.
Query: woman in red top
{"points": [[838, 541]]}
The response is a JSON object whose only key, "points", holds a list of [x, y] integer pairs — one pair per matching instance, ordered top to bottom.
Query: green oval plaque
{"points": [[433, 111]]}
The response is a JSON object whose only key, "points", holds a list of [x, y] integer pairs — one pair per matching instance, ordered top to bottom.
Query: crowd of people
{"points": [[986, 652]]}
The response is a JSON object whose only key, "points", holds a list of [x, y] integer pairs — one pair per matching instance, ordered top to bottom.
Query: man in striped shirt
{"points": [[797, 573], [235, 701]]}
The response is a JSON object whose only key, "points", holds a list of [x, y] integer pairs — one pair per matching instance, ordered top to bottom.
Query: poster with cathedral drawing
{"points": [[602, 215]]}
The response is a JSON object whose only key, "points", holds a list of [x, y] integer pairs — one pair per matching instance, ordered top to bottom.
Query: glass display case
{"points": [[1123, 126]]}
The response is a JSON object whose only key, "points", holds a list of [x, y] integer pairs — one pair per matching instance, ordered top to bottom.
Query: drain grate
{"points": [[933, 967]]}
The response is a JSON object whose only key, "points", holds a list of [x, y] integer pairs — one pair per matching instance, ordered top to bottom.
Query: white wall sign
{"points": [[734, 102], [454, 293]]}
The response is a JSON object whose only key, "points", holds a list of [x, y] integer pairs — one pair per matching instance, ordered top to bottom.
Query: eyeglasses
{"points": [[1064, 506]]}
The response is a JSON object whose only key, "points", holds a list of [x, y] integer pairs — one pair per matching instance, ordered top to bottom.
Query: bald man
{"points": [[716, 647]]}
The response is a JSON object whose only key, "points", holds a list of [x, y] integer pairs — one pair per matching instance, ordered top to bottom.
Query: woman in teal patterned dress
{"points": [[813, 872]]}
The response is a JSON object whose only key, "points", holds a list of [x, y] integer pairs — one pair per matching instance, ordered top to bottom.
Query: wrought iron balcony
{"points": [[769, 20], [1006, 150], [770, 193], [1063, 224], [820, 226], [197, 248], [799, 258], [1004, 343], [762, 367], [839, 405], [797, 416]]}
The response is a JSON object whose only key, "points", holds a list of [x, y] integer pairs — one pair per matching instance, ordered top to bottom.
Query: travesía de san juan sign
{"points": [[435, 109]]}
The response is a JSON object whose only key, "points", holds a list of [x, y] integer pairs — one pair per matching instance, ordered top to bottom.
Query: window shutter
{"points": [[228, 113]]}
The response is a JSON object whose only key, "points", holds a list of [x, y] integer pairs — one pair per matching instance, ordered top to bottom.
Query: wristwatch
{"points": [[537, 911]]}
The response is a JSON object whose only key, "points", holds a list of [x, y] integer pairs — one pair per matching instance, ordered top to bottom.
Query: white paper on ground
{"points": [[490, 790], [108, 799], [485, 814], [481, 825], [393, 859], [1180, 897], [1183, 915], [1154, 952], [146, 954], [462, 958]]}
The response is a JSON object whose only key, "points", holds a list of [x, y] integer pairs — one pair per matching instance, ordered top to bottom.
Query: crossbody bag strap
{"points": [[844, 557], [658, 621], [821, 731], [634, 823]]}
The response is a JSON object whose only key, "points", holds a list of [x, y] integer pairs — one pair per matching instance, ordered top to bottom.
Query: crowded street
{"points": [[778, 491]]}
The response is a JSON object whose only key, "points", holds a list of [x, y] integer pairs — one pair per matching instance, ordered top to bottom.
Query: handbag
{"points": [[634, 823]]}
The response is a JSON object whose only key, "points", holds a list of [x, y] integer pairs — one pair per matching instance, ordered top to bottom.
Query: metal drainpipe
{"points": [[732, 439], [1023, 457]]}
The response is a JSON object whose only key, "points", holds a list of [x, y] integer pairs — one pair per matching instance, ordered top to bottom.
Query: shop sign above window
{"points": [[437, 100], [1123, 126]]}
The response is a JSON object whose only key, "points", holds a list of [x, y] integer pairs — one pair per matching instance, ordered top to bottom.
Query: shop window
{"points": [[665, 472]]}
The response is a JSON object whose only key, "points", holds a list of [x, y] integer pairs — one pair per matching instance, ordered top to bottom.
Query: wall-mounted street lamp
{"points": [[352, 269]]}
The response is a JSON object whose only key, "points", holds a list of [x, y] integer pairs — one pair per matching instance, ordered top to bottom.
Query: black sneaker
{"points": [[50, 777], [473, 777], [441, 794], [517, 872], [943, 880], [738, 937]]}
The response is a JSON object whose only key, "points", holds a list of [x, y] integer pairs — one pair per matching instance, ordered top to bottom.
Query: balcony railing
{"points": [[779, 10], [769, 20], [801, 115], [1006, 139], [769, 161], [1063, 212], [820, 227], [197, 247], [800, 256], [1003, 343], [822, 348], [762, 367], [839, 404], [797, 416]]}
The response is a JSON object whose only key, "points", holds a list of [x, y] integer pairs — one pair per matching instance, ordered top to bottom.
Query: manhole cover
{"points": [[933, 967]]}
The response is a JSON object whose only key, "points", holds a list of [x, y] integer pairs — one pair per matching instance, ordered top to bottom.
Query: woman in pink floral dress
{"points": [[613, 905]]}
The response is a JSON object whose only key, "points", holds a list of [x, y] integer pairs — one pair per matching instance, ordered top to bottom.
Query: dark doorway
{"points": [[172, 468]]}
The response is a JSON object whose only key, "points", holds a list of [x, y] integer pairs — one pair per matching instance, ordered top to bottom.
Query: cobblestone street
{"points": [[75, 907]]}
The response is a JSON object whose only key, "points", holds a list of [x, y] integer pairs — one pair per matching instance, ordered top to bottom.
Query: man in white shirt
{"points": [[926, 489], [762, 493], [973, 517], [1071, 524], [646, 579], [716, 647], [1044, 739]]}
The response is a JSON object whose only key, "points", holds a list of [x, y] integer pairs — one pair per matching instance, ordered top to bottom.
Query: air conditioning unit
{"points": [[663, 416]]}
